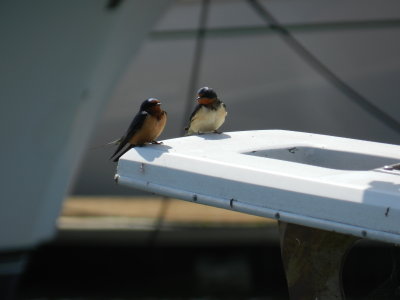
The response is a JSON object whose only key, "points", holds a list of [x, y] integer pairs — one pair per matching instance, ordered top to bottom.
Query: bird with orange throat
{"points": [[208, 115], [145, 128]]}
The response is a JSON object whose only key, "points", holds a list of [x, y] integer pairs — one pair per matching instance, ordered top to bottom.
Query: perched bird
{"points": [[208, 115], [146, 127]]}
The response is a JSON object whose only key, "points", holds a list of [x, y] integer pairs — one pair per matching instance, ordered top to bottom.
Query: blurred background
{"points": [[328, 67]]}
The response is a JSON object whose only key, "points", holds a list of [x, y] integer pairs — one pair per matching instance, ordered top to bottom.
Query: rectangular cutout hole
{"points": [[326, 158]]}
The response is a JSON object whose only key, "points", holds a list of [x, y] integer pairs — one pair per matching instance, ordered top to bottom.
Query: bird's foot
{"points": [[216, 131], [200, 133], [157, 143]]}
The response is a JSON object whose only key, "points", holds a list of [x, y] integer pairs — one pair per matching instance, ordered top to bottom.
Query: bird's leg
{"points": [[216, 131], [200, 133]]}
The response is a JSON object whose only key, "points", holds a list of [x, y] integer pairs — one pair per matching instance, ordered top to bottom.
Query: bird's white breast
{"points": [[207, 120]]}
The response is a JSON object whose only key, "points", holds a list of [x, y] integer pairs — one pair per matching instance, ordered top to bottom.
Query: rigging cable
{"points": [[197, 57], [323, 70], [159, 223]]}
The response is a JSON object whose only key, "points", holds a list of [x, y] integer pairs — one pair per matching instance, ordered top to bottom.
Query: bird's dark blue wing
{"points": [[135, 125]]}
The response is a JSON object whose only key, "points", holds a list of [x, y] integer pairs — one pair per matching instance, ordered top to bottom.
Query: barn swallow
{"points": [[208, 115], [146, 127]]}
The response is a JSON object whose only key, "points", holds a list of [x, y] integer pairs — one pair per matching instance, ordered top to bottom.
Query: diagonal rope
{"points": [[323, 70]]}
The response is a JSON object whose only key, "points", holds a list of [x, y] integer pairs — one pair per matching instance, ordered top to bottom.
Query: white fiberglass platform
{"points": [[326, 182]]}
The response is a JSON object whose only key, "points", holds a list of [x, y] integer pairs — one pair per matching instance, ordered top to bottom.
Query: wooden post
{"points": [[313, 261]]}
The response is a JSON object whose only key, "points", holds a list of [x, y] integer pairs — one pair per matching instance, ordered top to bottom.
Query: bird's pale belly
{"points": [[208, 120], [150, 131]]}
